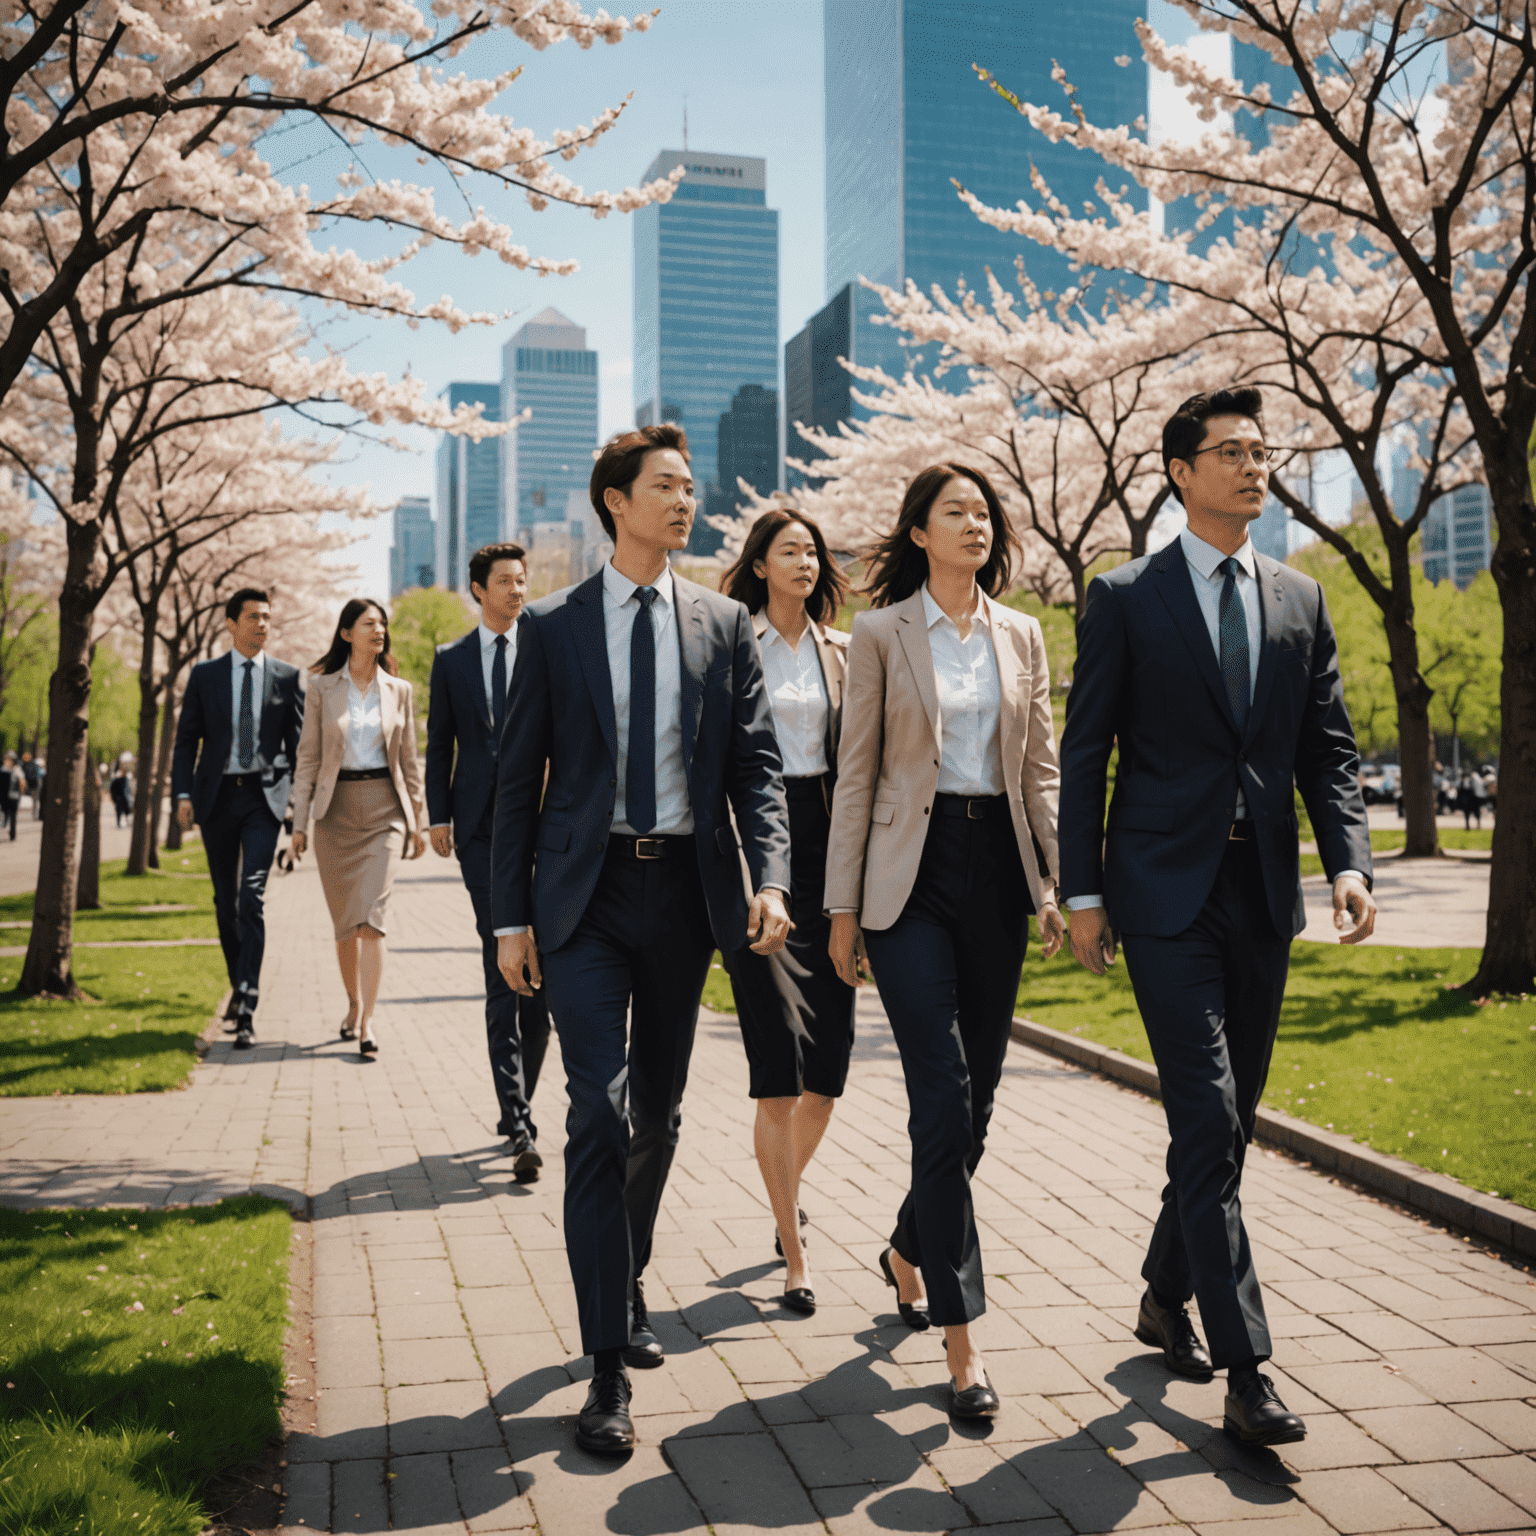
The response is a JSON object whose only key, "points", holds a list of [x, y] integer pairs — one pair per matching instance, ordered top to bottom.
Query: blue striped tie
{"points": [[1234, 644]]}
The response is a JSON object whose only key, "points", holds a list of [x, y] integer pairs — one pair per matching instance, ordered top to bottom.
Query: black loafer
{"points": [[245, 1035], [526, 1161], [778, 1246], [801, 1299], [914, 1315], [1170, 1330], [644, 1350], [978, 1402], [1254, 1414], [604, 1427]]}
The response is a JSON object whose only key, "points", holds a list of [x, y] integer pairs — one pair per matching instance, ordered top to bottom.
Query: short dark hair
{"points": [[1184, 431], [619, 463], [483, 560], [900, 567], [746, 586], [236, 605], [340, 652]]}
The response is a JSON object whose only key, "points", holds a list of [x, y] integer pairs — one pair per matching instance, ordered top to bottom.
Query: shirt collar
{"points": [[1206, 557], [618, 588], [934, 614], [771, 636], [488, 637], [237, 661]]}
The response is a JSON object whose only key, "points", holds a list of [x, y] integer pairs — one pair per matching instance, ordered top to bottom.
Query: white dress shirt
{"points": [[488, 639], [237, 683], [797, 693], [970, 701], [365, 727], [674, 813]]}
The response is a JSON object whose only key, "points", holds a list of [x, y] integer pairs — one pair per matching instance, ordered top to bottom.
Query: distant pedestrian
{"points": [[40, 784], [12, 787], [121, 791], [1469, 802]]}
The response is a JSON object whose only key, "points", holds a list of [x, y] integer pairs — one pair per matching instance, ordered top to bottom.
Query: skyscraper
{"points": [[707, 315], [546, 368], [468, 488], [1458, 535], [413, 555]]}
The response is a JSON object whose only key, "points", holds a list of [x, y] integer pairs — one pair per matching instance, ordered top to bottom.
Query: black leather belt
{"points": [[352, 775], [240, 780], [972, 807], [1242, 832], [647, 848]]}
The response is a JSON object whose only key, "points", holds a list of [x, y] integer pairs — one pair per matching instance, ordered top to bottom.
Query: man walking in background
{"points": [[1214, 669], [467, 712], [232, 772]]}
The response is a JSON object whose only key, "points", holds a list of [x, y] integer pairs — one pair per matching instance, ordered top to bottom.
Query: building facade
{"points": [[707, 315], [547, 370], [468, 488], [1457, 536], [413, 555]]}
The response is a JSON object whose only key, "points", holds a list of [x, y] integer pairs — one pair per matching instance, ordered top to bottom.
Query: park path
{"points": [[444, 1325]]}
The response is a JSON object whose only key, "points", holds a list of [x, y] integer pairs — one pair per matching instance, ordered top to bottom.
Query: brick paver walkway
{"points": [[445, 1325]]}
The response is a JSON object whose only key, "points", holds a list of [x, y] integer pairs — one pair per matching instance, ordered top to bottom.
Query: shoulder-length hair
{"points": [[899, 567], [746, 586], [340, 652]]}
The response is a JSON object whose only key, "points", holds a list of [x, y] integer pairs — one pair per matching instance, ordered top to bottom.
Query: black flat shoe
{"points": [[349, 1026], [245, 1036], [368, 1049], [526, 1165], [778, 1245], [801, 1299], [913, 1314], [1170, 1330], [644, 1350], [978, 1402], [1254, 1414], [604, 1427]]}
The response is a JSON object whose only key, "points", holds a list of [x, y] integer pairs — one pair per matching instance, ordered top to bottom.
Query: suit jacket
{"points": [[832, 653], [1148, 677], [208, 721], [324, 743], [461, 743], [888, 760], [546, 858]]}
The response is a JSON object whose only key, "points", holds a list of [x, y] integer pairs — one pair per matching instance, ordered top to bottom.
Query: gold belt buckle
{"points": [[971, 811], [642, 843]]}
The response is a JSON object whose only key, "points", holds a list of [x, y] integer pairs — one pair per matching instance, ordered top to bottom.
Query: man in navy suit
{"points": [[1214, 669], [642, 696], [468, 709], [232, 772]]}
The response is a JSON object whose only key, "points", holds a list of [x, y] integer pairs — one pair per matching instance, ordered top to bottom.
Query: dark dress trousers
{"points": [[461, 790], [240, 814], [1205, 921], [618, 935]]}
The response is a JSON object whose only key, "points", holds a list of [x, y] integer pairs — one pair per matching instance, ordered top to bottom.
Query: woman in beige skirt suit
{"points": [[357, 772]]}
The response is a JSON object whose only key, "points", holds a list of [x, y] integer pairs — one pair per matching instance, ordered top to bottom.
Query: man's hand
{"points": [[184, 814], [442, 840], [1353, 905], [768, 919], [1053, 931], [1093, 940], [843, 947], [514, 953]]}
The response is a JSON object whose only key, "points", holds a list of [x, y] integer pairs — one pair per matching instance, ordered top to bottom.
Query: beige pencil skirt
{"points": [[357, 846]]}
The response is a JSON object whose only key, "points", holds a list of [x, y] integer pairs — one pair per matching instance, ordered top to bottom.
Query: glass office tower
{"points": [[707, 315], [546, 368], [468, 488], [413, 555]]}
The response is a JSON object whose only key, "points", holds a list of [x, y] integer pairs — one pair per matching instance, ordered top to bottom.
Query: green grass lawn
{"points": [[1385, 839], [182, 882], [1371, 1046], [141, 1355]]}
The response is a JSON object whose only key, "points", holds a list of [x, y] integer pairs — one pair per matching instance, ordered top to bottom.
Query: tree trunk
{"points": [[1416, 742], [162, 775], [142, 841], [88, 894], [48, 970]]}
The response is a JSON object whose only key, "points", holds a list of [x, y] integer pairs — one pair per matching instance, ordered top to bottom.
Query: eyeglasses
{"points": [[1235, 456]]}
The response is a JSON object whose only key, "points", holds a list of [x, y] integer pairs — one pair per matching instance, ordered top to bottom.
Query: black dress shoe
{"points": [[245, 1035], [526, 1161], [778, 1246], [801, 1299], [915, 1314], [1170, 1330], [644, 1350], [978, 1402], [1254, 1414], [604, 1427]]}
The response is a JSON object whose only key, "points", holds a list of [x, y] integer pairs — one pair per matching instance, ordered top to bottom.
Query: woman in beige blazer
{"points": [[357, 772], [943, 843], [795, 1012]]}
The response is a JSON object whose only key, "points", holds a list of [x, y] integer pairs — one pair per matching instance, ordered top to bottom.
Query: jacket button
{"points": [[1242, 757], [613, 783], [925, 810]]}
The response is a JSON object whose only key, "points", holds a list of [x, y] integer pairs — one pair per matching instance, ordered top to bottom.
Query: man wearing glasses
{"points": [[1215, 671]]}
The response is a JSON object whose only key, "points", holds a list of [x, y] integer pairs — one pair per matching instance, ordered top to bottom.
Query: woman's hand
{"points": [[298, 845], [415, 845], [1053, 931], [843, 947]]}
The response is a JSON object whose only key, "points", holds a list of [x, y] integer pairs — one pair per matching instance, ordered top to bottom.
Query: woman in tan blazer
{"points": [[357, 772], [943, 843], [795, 1012]]}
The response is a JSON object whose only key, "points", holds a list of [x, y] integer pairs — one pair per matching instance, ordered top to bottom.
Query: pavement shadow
{"points": [[463, 1177]]}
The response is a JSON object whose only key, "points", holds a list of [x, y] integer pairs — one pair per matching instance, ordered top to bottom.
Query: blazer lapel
{"points": [[1177, 589], [1271, 610], [912, 632], [591, 639], [690, 639], [1007, 669], [474, 677], [832, 680], [226, 684], [387, 686]]}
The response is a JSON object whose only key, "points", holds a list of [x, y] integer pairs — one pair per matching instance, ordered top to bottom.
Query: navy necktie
{"points": [[1234, 644], [499, 688], [247, 720], [640, 767]]}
